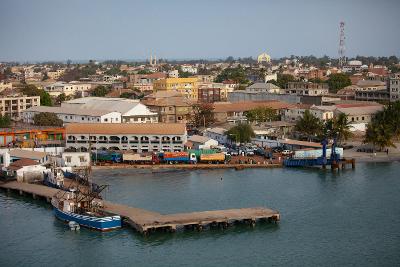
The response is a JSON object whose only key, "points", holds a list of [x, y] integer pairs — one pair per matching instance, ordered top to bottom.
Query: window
{"points": [[83, 118], [362, 118], [105, 119], [68, 159], [82, 159]]}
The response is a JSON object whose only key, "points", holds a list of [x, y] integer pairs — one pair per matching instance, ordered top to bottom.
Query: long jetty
{"points": [[145, 221]]}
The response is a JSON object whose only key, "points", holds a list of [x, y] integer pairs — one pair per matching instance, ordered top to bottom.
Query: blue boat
{"points": [[81, 207]]}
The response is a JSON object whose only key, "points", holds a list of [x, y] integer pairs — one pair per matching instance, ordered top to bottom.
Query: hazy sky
{"points": [[116, 29]]}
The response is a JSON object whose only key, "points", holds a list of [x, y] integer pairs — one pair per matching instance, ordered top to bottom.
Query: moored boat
{"points": [[84, 210]]}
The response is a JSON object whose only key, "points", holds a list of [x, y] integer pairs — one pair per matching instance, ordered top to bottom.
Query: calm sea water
{"points": [[346, 219]]}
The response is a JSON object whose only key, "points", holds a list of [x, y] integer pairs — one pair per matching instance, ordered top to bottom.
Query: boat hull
{"points": [[99, 223]]}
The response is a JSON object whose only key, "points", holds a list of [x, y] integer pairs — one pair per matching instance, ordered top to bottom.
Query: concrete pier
{"points": [[145, 221]]}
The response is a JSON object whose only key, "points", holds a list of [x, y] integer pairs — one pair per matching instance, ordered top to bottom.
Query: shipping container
{"points": [[316, 153], [126, 157], [179, 157], [216, 157]]}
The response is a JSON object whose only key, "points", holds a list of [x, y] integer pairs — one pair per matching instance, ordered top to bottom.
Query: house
{"points": [[188, 87], [265, 87], [70, 88], [307, 88], [209, 95], [14, 104], [171, 107], [131, 110], [236, 112], [358, 114], [69, 115], [218, 134], [143, 137], [202, 142], [39, 157], [76, 159], [25, 170]]}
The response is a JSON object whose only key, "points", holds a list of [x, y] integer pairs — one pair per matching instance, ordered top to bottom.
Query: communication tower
{"points": [[342, 48]]}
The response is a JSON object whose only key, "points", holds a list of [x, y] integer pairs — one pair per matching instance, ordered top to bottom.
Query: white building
{"points": [[189, 68], [173, 74], [71, 88], [132, 111], [68, 115], [217, 134], [138, 138], [202, 142], [76, 159]]}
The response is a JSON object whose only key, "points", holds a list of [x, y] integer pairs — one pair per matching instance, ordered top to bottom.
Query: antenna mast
{"points": [[342, 48]]}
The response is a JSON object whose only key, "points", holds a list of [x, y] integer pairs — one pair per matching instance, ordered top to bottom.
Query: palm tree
{"points": [[309, 125], [341, 128], [379, 134]]}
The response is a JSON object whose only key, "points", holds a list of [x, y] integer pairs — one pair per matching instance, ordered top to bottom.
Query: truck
{"points": [[107, 156], [179, 157], [138, 158], [213, 158]]}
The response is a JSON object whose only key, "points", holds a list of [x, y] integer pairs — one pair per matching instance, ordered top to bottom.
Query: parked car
{"points": [[286, 152]]}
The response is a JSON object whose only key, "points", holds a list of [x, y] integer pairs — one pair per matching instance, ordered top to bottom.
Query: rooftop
{"points": [[245, 106], [67, 110], [120, 128], [198, 139], [27, 154], [16, 165]]}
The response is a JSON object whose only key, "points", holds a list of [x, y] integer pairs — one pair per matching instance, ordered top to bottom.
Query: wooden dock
{"points": [[146, 221]]}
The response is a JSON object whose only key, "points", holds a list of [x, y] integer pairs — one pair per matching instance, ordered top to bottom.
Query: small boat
{"points": [[54, 178], [82, 203], [86, 211]]}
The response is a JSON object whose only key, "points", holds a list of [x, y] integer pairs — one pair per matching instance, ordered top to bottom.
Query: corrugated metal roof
{"points": [[66, 110], [127, 128]]}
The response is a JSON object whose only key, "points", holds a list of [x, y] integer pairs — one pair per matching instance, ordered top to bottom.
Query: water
{"points": [[346, 219]]}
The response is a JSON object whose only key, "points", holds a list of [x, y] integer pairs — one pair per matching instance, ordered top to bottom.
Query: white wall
{"points": [[76, 159]]}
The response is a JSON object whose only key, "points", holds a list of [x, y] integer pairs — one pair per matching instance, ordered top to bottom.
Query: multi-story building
{"points": [[189, 68], [55, 74], [144, 82], [5, 85], [186, 86], [394, 87], [71, 88], [307, 88], [209, 95], [14, 105], [171, 107], [132, 111], [236, 112], [73, 115], [138, 138]]}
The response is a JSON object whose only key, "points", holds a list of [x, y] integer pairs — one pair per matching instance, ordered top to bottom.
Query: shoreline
{"points": [[185, 166]]}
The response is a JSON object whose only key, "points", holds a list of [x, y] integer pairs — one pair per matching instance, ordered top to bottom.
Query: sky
{"points": [[41, 30]]}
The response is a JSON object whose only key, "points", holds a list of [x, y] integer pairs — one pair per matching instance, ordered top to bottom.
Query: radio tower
{"points": [[342, 58]]}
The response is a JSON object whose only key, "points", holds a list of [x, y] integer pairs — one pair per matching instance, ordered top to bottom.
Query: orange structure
{"points": [[24, 137]]}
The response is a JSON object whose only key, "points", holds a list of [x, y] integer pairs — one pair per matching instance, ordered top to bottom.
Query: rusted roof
{"points": [[245, 106], [126, 128], [16, 165]]}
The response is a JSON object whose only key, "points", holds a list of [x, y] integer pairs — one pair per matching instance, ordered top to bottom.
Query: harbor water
{"points": [[350, 218]]}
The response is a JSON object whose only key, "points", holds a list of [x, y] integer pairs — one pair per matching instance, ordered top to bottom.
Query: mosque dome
{"points": [[264, 57]]}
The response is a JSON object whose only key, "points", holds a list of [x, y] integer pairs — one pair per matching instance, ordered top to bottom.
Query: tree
{"points": [[145, 71], [238, 75], [45, 77], [282, 80], [338, 81], [32, 90], [100, 91], [61, 98], [202, 114], [261, 114], [47, 119], [5, 121], [309, 126], [338, 127], [384, 127], [241, 133]]}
